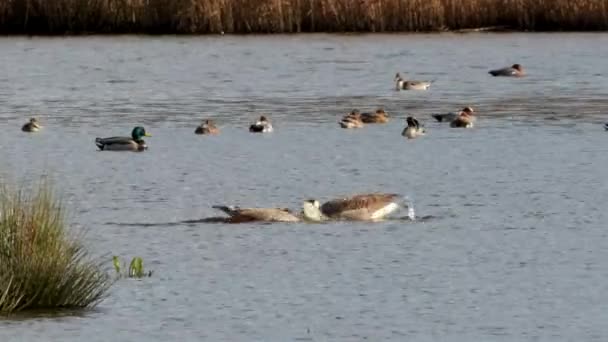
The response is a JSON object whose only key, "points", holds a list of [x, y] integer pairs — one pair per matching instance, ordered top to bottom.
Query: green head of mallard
{"points": [[138, 133]]}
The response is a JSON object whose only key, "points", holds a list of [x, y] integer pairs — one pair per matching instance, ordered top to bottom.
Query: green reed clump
{"points": [[287, 16], [41, 265]]}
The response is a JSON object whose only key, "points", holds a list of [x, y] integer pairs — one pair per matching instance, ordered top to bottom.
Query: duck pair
{"points": [[516, 70], [355, 119], [463, 119], [208, 127], [362, 207]]}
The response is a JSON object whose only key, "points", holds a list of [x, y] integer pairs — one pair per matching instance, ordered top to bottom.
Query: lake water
{"points": [[513, 246]]}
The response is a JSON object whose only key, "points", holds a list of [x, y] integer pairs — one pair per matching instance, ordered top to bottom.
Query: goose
{"points": [[514, 70], [402, 84], [380, 116], [449, 117], [351, 120], [32, 126], [261, 126], [207, 127], [413, 129], [133, 143], [363, 207], [240, 215]]}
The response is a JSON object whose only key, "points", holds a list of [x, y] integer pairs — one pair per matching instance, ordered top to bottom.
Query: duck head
{"points": [[517, 67], [138, 133]]}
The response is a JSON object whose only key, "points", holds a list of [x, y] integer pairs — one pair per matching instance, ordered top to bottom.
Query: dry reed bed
{"points": [[287, 16]]}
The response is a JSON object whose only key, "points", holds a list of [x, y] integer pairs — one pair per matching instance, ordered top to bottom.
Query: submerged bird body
{"points": [[515, 70], [402, 84], [380, 116], [449, 117], [351, 120], [463, 120], [263, 125], [31, 126], [208, 128], [413, 129], [133, 143], [364, 207], [240, 215]]}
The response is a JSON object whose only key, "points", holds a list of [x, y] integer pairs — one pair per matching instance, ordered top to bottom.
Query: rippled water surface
{"points": [[514, 244]]}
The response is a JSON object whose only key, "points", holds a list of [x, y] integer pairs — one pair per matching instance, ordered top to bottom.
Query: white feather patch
{"points": [[386, 210]]}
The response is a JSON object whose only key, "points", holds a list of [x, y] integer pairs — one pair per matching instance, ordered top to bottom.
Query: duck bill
{"points": [[147, 135]]}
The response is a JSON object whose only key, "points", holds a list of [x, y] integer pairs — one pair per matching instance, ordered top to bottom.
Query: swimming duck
{"points": [[514, 70], [401, 84], [380, 116], [449, 117], [351, 120], [463, 120], [32, 126], [261, 126], [606, 126], [207, 127], [413, 129], [133, 143], [363, 207], [240, 215]]}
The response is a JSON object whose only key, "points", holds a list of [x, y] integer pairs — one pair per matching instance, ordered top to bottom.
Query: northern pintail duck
{"points": [[514, 70], [402, 84], [380, 116], [449, 117], [351, 120], [463, 120], [32, 126], [261, 126], [207, 127], [413, 129], [133, 143], [364, 207], [240, 215]]}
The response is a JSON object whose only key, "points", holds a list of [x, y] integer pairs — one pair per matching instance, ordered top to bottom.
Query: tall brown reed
{"points": [[265, 16], [41, 266]]}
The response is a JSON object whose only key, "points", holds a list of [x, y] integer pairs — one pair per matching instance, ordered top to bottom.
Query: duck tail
{"points": [[438, 117], [99, 143], [227, 209]]}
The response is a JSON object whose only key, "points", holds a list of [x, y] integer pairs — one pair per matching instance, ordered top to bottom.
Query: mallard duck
{"points": [[514, 70], [402, 84], [380, 116], [449, 117], [351, 120], [463, 120], [263, 125], [32, 126], [207, 127], [413, 129], [133, 143], [364, 207], [240, 215]]}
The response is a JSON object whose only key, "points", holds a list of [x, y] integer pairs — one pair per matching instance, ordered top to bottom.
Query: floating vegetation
{"points": [[290, 16], [41, 265], [135, 270]]}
